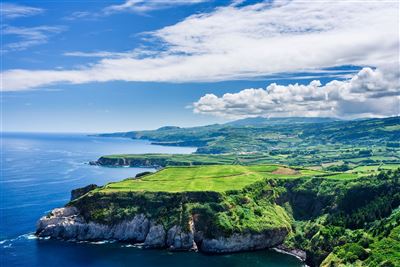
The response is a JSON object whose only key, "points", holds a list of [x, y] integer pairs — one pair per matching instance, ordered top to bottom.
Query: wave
{"points": [[101, 242], [7, 243], [132, 246]]}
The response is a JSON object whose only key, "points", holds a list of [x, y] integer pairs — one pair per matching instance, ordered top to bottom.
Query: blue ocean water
{"points": [[38, 171]]}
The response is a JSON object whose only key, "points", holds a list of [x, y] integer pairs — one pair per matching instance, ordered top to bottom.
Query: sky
{"points": [[105, 66]]}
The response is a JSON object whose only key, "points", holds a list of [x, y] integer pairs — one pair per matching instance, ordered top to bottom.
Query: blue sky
{"points": [[101, 66]]}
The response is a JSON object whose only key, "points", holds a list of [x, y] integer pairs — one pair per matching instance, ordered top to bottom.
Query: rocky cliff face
{"points": [[123, 162], [67, 224], [155, 237], [177, 239], [243, 242]]}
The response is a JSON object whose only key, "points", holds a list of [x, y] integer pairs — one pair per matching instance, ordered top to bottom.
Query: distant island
{"points": [[326, 191]]}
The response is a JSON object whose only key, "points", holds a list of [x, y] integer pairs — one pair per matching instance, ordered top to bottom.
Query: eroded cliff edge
{"points": [[326, 218], [177, 221], [68, 224]]}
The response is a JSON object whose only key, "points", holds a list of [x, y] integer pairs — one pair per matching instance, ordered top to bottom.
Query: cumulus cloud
{"points": [[11, 11], [245, 42], [369, 93]]}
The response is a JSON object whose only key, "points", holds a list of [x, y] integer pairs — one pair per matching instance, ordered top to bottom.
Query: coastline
{"points": [[56, 154], [297, 253]]}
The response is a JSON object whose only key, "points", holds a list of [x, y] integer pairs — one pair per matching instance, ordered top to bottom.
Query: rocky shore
{"points": [[129, 162], [68, 224], [298, 253]]}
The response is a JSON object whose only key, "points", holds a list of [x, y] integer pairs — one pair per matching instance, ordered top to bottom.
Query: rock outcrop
{"points": [[132, 162], [68, 224], [155, 237], [180, 240], [244, 242], [298, 253]]}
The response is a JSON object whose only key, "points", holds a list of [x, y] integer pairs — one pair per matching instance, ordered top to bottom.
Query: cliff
{"points": [[163, 160], [321, 219], [203, 220], [68, 224]]}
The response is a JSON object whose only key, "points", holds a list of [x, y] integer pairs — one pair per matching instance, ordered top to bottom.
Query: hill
{"points": [[279, 121], [370, 141]]}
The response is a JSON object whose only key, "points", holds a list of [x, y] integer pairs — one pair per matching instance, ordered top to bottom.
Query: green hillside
{"points": [[358, 142]]}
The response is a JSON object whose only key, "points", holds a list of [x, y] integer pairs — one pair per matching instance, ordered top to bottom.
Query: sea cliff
{"points": [[328, 221], [68, 224]]}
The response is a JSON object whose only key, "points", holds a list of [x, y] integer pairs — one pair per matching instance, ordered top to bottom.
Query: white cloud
{"points": [[132, 6], [140, 6], [11, 11], [80, 15], [26, 36], [20, 38], [241, 42], [100, 54], [107, 54], [369, 93]]}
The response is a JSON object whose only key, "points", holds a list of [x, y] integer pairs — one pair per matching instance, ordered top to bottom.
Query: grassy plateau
{"points": [[218, 178]]}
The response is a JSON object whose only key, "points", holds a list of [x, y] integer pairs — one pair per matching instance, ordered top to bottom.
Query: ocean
{"points": [[39, 170]]}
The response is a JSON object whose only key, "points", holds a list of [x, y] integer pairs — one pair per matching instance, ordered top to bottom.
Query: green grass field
{"points": [[374, 168], [203, 178], [217, 178]]}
